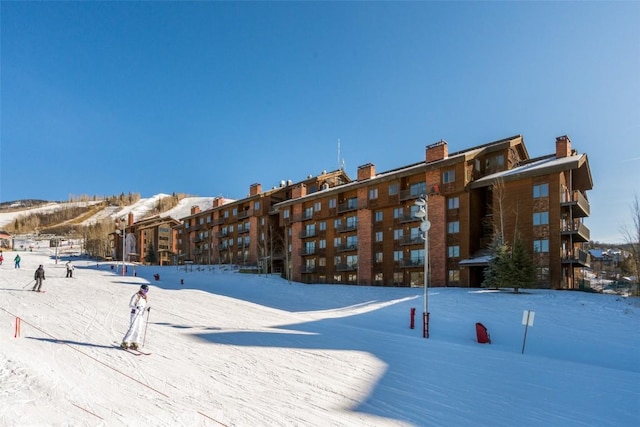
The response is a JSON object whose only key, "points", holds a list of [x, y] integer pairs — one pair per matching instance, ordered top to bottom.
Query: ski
{"points": [[132, 351]]}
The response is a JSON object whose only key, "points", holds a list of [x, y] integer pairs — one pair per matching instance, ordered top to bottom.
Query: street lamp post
{"points": [[123, 225], [425, 225]]}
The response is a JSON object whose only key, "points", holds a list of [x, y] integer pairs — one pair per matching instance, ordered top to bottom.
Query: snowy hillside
{"points": [[140, 209], [230, 349]]}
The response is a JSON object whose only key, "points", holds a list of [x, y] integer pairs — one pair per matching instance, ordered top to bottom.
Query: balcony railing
{"points": [[408, 194], [578, 202], [347, 206], [245, 214], [347, 227], [577, 230], [307, 233], [411, 240], [345, 248], [307, 251], [577, 257], [411, 262], [347, 267], [307, 269]]}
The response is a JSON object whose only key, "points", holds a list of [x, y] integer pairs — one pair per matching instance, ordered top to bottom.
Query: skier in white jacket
{"points": [[138, 305]]}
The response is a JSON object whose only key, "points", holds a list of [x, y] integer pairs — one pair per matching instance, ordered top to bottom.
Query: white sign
{"points": [[527, 317]]}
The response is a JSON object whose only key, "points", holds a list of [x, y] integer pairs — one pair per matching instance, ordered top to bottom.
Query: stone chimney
{"points": [[563, 146], [437, 151], [367, 171], [255, 189], [298, 191], [195, 210]]}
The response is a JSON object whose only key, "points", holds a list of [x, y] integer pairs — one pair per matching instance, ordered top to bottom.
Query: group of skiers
{"points": [[138, 304]]}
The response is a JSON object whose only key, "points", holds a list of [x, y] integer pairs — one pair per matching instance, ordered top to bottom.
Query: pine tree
{"points": [[150, 256], [522, 272], [495, 275]]}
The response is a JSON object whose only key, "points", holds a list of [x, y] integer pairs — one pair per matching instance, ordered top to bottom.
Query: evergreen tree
{"points": [[150, 256], [522, 272], [494, 274]]}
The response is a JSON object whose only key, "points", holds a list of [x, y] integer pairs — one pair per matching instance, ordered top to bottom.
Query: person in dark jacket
{"points": [[38, 277]]}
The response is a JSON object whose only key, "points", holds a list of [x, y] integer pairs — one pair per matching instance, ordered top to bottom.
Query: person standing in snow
{"points": [[17, 260], [69, 269], [38, 276], [138, 305]]}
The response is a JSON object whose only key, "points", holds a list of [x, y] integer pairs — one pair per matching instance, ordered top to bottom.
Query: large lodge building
{"points": [[332, 229]]}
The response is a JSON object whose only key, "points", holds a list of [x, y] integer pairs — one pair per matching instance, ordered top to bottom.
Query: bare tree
{"points": [[631, 236]]}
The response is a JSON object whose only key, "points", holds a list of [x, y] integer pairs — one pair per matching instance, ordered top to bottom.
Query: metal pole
{"points": [[124, 225], [426, 271]]}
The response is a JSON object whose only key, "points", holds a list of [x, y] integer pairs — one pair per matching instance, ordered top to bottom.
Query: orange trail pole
{"points": [[17, 334]]}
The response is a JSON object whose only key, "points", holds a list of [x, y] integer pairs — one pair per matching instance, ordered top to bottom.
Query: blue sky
{"points": [[207, 98]]}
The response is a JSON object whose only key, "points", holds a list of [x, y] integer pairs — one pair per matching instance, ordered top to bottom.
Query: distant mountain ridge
{"points": [[143, 208]]}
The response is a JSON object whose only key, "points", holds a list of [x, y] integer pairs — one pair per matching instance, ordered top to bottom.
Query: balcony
{"points": [[408, 195], [578, 202], [348, 206], [245, 214], [407, 218], [347, 227], [243, 229], [577, 231], [307, 233], [222, 234], [411, 240], [346, 248], [307, 251], [578, 258], [411, 262], [347, 267], [306, 269]]}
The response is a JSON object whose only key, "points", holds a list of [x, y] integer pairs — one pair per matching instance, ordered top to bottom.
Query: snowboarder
{"points": [[17, 260], [69, 269], [38, 276], [138, 305]]}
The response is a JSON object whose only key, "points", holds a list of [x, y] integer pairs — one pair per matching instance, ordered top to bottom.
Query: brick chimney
{"points": [[563, 146], [437, 151], [367, 171], [255, 189], [298, 191], [217, 202], [195, 210], [130, 219]]}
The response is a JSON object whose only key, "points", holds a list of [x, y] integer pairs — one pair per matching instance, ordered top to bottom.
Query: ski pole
{"points": [[25, 287], [146, 326]]}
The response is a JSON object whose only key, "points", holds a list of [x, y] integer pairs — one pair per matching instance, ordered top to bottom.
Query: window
{"points": [[495, 162], [448, 176], [393, 189], [418, 189], [541, 190], [373, 193], [332, 203], [352, 203], [453, 203], [256, 206], [317, 206], [414, 210], [235, 212], [308, 212], [285, 213], [397, 213], [226, 214], [378, 216], [540, 218], [352, 222], [337, 224], [322, 226], [453, 227], [310, 230], [397, 234], [415, 234], [378, 236], [337, 242], [352, 242], [322, 243], [541, 246], [310, 247], [453, 251], [397, 256], [417, 256], [378, 257], [337, 260], [352, 260], [322, 262], [542, 273], [454, 276], [352, 278], [378, 278], [398, 279]]}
